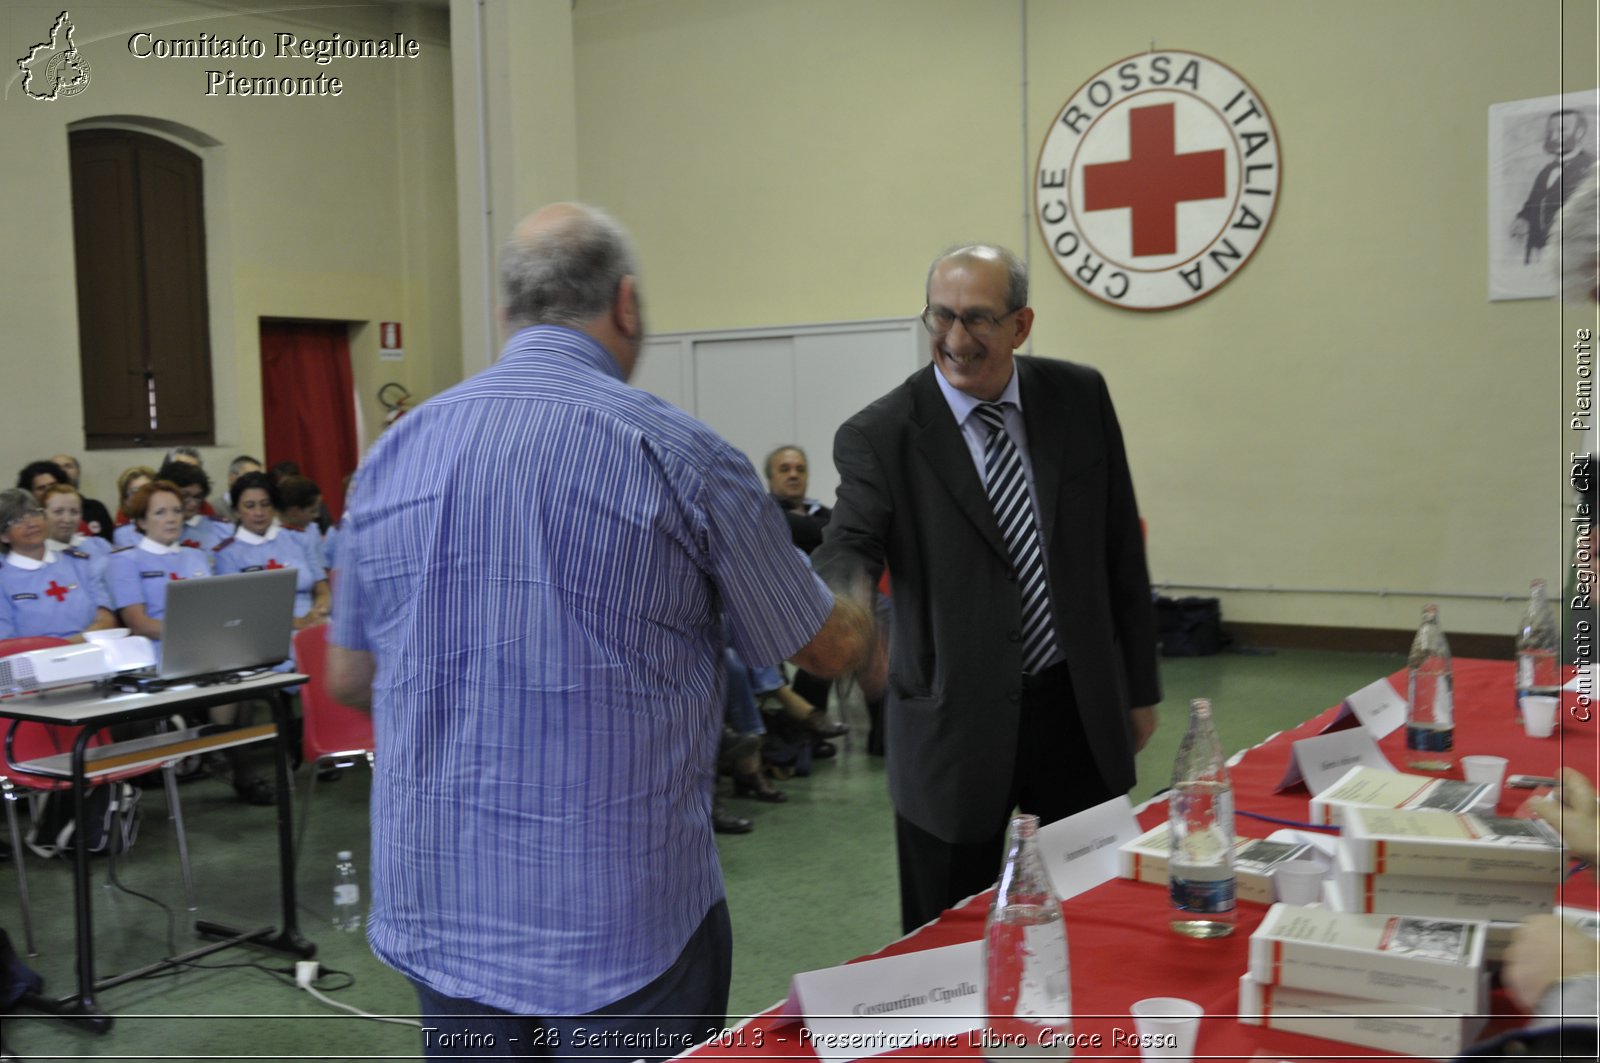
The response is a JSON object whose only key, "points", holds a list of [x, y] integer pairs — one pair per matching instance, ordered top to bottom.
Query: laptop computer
{"points": [[227, 623]]}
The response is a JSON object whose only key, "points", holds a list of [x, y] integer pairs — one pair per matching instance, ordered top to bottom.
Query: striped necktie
{"points": [[1007, 486]]}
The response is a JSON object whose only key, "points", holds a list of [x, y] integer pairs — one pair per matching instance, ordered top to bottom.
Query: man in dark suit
{"points": [[1022, 671]]}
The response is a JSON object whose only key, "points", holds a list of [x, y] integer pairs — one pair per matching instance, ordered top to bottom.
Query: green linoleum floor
{"points": [[812, 886]]}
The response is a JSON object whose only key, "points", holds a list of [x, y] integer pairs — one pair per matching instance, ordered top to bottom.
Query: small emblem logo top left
{"points": [[55, 69]]}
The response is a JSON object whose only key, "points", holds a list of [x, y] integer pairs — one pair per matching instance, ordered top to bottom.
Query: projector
{"points": [[60, 666]]}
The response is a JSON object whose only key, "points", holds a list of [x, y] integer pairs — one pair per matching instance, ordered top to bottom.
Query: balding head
{"points": [[572, 265], [1016, 272]]}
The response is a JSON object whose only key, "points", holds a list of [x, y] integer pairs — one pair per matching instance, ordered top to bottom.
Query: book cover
{"points": [[1377, 788], [1420, 841], [1144, 859], [1453, 896], [1406, 960], [1407, 1029]]}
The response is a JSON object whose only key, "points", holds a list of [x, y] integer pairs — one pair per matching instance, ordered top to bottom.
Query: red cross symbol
{"points": [[1154, 180], [191, 542], [272, 562], [174, 575], [56, 591]]}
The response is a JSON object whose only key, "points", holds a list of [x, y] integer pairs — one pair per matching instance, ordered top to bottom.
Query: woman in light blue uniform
{"points": [[63, 514], [201, 531], [127, 533], [261, 543], [137, 576], [41, 592]]}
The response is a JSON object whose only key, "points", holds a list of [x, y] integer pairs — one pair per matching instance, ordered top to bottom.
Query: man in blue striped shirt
{"points": [[542, 654]]}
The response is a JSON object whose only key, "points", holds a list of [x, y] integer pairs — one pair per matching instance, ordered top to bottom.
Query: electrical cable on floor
{"points": [[172, 922], [308, 971]]}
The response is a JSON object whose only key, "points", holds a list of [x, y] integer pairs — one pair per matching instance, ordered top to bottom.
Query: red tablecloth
{"points": [[1122, 949]]}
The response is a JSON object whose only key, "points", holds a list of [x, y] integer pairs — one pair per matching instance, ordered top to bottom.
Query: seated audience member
{"points": [[184, 454], [236, 468], [38, 475], [788, 476], [302, 505], [63, 516], [96, 517], [199, 531], [126, 532], [330, 538], [261, 543], [137, 576], [43, 592], [743, 728]]}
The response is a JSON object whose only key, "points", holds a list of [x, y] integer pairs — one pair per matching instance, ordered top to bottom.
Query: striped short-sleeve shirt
{"points": [[540, 560]]}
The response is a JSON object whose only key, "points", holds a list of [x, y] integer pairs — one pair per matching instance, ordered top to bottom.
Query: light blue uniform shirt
{"points": [[280, 548], [138, 575], [57, 596], [548, 696]]}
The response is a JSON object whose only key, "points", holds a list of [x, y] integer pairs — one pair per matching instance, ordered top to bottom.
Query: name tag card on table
{"points": [[1380, 708], [1320, 761], [1080, 852], [866, 1009]]}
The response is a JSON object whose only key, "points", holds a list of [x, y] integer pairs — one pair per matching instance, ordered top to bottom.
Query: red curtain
{"points": [[308, 402]]}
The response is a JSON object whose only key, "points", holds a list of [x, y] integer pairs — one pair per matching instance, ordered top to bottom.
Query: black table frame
{"points": [[92, 711]]}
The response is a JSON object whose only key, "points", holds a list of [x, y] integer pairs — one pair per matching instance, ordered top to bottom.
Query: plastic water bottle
{"points": [[1538, 648], [1430, 706], [1200, 819], [346, 894], [1028, 981]]}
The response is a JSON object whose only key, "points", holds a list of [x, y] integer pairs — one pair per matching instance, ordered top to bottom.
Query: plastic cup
{"points": [[1538, 714], [1485, 769], [1298, 881], [1167, 1027]]}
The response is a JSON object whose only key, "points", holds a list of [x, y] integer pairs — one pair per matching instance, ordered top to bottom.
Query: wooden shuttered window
{"points": [[138, 212]]}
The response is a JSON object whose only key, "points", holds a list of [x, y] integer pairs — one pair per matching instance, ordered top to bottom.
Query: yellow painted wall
{"points": [[317, 207], [1350, 412]]}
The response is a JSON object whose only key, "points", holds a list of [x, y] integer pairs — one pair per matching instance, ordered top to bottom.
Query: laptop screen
{"points": [[227, 623]]}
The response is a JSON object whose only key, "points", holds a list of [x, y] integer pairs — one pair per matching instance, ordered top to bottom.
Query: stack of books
{"points": [[1376, 788], [1144, 859], [1457, 865], [1404, 984]]}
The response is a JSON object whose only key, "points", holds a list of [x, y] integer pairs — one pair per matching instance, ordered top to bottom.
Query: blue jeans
{"points": [[681, 1008]]}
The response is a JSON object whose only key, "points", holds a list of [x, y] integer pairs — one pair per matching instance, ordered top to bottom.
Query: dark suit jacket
{"points": [[910, 498]]}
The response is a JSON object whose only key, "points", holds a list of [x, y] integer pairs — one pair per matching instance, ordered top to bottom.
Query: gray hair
{"points": [[1579, 225], [1016, 272], [567, 275], [237, 465], [14, 502]]}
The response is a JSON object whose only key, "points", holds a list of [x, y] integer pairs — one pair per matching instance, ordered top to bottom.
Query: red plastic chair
{"points": [[333, 734], [36, 740]]}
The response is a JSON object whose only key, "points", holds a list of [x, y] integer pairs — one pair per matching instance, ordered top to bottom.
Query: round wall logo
{"points": [[1157, 180]]}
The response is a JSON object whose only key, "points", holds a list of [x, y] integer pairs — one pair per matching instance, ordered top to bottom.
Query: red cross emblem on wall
{"points": [[1154, 179], [1157, 180], [56, 591]]}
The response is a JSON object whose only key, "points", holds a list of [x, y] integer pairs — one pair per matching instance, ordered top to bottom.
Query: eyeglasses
{"points": [[980, 324], [27, 514]]}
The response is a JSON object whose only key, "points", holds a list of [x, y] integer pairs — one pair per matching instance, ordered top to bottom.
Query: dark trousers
{"points": [[1055, 776], [681, 1008]]}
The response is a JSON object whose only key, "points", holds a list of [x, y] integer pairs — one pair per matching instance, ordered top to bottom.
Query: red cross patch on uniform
{"points": [[1157, 180]]}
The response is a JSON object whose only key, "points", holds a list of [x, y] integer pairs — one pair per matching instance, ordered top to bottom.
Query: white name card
{"points": [[1379, 707], [1322, 760], [1080, 852], [865, 1009]]}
